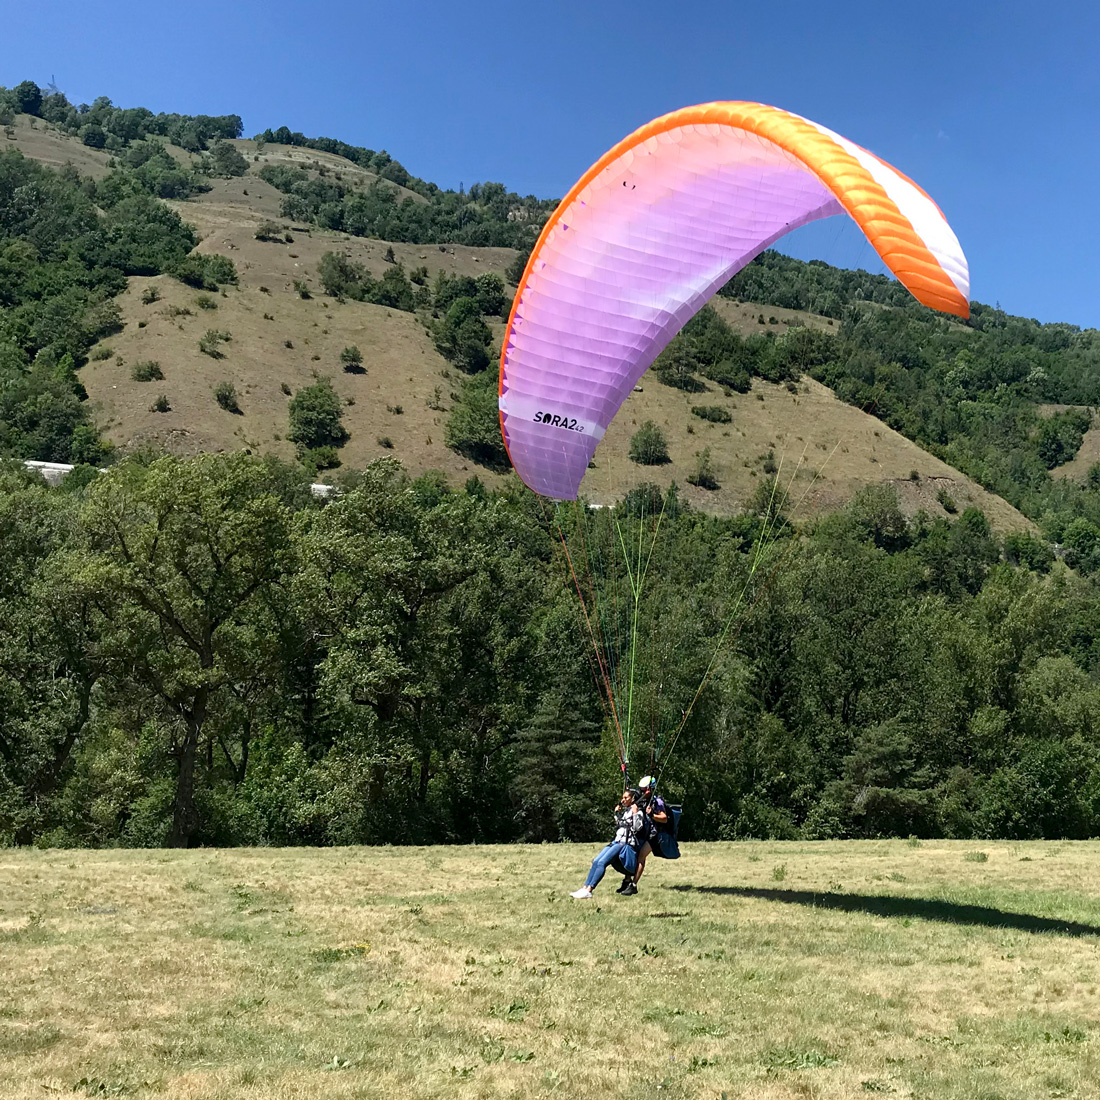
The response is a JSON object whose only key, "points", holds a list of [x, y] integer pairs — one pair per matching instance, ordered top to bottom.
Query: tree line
{"points": [[102, 125], [486, 215], [199, 652]]}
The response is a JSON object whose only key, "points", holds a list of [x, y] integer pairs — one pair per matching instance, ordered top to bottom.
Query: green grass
{"points": [[469, 972]]}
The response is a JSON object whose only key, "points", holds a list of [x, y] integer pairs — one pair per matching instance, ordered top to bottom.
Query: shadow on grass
{"points": [[947, 912]]}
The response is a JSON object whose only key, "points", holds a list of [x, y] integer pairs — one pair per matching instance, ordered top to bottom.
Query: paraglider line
{"points": [[767, 537], [761, 546], [637, 578], [596, 647]]}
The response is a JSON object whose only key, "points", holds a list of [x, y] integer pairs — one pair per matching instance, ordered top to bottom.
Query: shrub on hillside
{"points": [[93, 136], [224, 160], [269, 231], [206, 272], [344, 278], [486, 290], [491, 299], [462, 337], [210, 343], [352, 359], [676, 366], [148, 370], [730, 375], [225, 393], [714, 413], [316, 417], [473, 425], [648, 446], [704, 475]]}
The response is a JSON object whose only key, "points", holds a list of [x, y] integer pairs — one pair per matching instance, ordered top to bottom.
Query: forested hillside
{"points": [[195, 650]]}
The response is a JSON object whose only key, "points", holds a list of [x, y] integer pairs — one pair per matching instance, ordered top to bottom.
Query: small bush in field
{"points": [[210, 343], [352, 358], [148, 370], [225, 393], [715, 413], [648, 446], [704, 475]]}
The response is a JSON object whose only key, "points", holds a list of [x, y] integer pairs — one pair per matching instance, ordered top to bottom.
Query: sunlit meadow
{"points": [[759, 969]]}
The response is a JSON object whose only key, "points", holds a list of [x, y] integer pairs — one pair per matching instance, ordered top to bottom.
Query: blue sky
{"points": [[993, 109]]}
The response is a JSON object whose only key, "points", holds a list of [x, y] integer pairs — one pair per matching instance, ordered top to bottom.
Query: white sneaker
{"points": [[582, 894]]}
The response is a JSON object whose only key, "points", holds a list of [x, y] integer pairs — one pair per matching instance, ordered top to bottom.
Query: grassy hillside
{"points": [[45, 143], [282, 341], [1087, 457], [762, 969]]}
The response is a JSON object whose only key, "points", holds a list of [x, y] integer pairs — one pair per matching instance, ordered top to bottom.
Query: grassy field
{"points": [[759, 969]]}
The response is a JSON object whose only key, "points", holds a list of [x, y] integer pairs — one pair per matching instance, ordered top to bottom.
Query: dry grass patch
{"points": [[41, 141], [825, 451], [469, 972]]}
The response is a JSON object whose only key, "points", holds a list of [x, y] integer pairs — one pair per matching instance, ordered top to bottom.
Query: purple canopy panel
{"points": [[635, 255]]}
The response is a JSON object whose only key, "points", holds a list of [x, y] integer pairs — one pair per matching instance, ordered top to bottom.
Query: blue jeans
{"points": [[620, 856]]}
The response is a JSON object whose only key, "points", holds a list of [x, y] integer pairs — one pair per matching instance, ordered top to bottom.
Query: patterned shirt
{"points": [[631, 827]]}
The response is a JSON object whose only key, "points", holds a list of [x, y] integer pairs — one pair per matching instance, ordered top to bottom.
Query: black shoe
{"points": [[628, 881], [628, 890]]}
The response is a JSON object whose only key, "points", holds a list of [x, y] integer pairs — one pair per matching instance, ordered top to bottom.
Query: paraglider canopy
{"points": [[654, 228]]}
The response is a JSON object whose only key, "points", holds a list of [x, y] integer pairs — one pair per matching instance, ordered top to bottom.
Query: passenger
{"points": [[622, 852]]}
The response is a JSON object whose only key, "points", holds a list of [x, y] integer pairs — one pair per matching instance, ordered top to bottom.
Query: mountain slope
{"points": [[282, 341]]}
